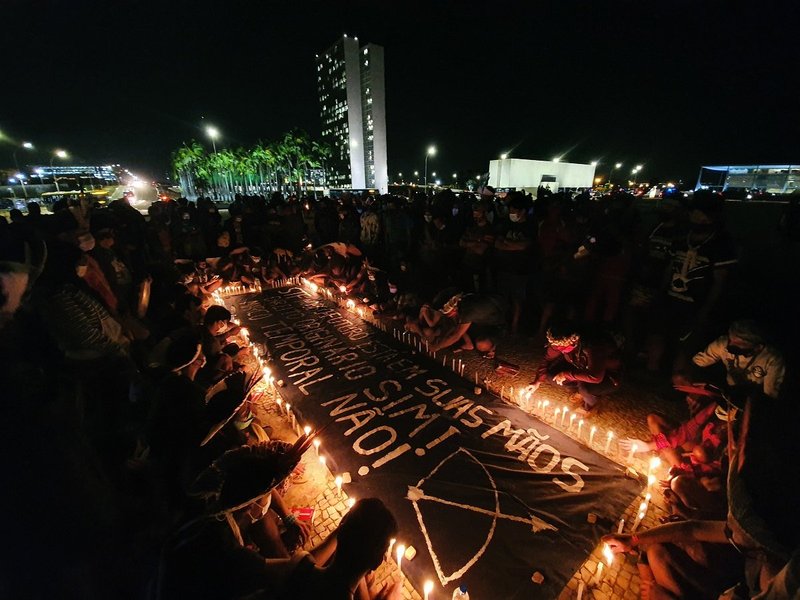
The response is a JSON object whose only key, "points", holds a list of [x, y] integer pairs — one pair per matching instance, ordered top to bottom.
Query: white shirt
{"points": [[765, 369]]}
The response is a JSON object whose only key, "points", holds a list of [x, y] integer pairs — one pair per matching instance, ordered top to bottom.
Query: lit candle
{"points": [[342, 289], [476, 373], [279, 402], [545, 404], [539, 406], [555, 415], [563, 415], [572, 418], [580, 426], [307, 430], [592, 431], [608, 441], [316, 446], [634, 448], [322, 460], [655, 462], [651, 480], [338, 482], [351, 502], [621, 526], [391, 545], [401, 549], [581, 587], [427, 589]]}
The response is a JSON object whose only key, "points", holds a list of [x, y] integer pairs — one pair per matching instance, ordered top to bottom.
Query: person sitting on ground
{"points": [[475, 320], [217, 328], [747, 357], [588, 363], [695, 451], [361, 542], [211, 556], [701, 559]]}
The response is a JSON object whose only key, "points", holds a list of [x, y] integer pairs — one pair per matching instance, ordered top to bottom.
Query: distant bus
{"points": [[74, 196]]}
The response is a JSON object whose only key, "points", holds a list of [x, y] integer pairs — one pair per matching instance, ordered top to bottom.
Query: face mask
{"points": [[211, 211], [455, 212], [186, 217], [513, 217], [428, 218], [238, 219], [86, 242], [403, 267], [81, 270], [392, 289], [738, 351]]}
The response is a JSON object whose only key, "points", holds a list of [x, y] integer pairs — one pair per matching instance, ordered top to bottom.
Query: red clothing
{"points": [[96, 279], [588, 362]]}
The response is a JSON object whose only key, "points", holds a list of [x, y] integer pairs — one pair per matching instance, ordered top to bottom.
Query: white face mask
{"points": [[455, 212], [514, 217], [428, 218], [81, 270], [392, 289]]}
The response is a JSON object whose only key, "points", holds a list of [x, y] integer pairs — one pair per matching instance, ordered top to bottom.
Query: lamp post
{"points": [[213, 133], [27, 146], [431, 152], [62, 154], [504, 156], [611, 171], [21, 179], [455, 179]]}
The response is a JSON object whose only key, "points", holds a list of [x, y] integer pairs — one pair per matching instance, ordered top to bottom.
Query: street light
{"points": [[213, 133], [27, 146], [431, 152], [62, 154], [504, 156], [557, 159], [593, 163], [611, 170]]}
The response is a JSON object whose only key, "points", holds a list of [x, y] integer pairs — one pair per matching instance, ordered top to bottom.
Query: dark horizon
{"points": [[672, 87]]}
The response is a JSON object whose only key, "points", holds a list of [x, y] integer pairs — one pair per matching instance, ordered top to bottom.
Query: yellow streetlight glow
{"points": [[212, 132], [432, 151], [61, 153], [618, 165]]}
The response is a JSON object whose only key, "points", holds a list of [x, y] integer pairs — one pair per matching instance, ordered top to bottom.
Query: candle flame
{"points": [[342, 289], [306, 429], [610, 434], [316, 445], [322, 460], [655, 462], [651, 479], [338, 481], [351, 502], [401, 549], [608, 554], [427, 588]]}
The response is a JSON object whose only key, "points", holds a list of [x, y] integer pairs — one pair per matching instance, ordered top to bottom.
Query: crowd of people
{"points": [[140, 469]]}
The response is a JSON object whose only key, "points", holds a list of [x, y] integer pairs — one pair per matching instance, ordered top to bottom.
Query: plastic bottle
{"points": [[460, 593]]}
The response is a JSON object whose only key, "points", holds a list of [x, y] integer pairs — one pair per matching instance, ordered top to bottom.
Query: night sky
{"points": [[672, 85]]}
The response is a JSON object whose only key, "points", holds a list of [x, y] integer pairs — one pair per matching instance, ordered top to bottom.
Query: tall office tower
{"points": [[352, 98]]}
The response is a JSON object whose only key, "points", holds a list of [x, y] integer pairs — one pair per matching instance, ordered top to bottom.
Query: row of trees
{"points": [[292, 162]]}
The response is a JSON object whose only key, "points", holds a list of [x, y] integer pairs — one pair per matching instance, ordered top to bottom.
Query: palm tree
{"points": [[186, 162]]}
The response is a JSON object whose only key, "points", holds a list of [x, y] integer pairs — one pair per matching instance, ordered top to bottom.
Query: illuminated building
{"points": [[352, 95], [772, 179]]}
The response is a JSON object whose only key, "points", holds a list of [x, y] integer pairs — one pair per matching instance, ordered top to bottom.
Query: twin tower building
{"points": [[352, 96]]}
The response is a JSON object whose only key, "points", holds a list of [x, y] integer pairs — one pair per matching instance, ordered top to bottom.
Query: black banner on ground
{"points": [[485, 493]]}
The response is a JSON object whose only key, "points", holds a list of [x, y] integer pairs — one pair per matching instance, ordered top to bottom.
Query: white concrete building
{"points": [[352, 95], [522, 173]]}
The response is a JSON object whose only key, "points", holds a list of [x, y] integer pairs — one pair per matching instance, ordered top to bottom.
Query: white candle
{"points": [[545, 404], [539, 407], [555, 415], [563, 415], [572, 418], [580, 426], [307, 430], [592, 431], [608, 440], [316, 446], [634, 448], [322, 460], [338, 482], [351, 502], [621, 526], [391, 545], [401, 549], [581, 587], [427, 589]]}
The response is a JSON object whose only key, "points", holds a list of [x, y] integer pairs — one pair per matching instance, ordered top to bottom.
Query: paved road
{"points": [[144, 195]]}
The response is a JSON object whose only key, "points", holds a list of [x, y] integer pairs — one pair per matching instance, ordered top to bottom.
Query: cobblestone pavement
{"points": [[623, 413]]}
